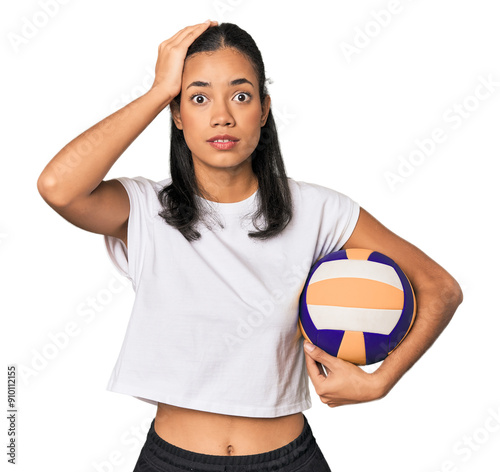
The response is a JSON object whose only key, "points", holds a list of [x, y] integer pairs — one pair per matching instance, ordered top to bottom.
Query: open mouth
{"points": [[223, 141], [223, 144]]}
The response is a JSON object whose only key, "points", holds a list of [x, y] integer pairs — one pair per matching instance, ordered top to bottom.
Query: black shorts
{"points": [[301, 455]]}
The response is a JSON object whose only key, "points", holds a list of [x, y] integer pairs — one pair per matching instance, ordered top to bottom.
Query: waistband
{"points": [[299, 450]]}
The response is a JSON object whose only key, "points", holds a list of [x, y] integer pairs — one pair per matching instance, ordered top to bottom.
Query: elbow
{"points": [[43, 184], [47, 188], [442, 292], [454, 292], [449, 293], [458, 293], [453, 297]]}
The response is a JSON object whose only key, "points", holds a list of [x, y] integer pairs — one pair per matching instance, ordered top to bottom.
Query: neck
{"points": [[223, 187]]}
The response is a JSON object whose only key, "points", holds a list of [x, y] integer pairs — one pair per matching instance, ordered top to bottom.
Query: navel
{"points": [[230, 449]]}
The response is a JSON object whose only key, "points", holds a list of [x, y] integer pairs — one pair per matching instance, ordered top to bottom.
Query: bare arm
{"points": [[79, 167], [72, 182], [437, 294]]}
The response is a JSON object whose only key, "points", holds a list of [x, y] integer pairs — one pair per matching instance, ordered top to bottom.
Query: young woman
{"points": [[217, 254]]}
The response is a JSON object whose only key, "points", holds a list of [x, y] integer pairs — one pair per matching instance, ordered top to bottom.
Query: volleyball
{"points": [[357, 305]]}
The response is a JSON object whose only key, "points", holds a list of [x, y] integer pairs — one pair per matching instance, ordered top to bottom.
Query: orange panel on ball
{"points": [[360, 254], [358, 293], [352, 347]]}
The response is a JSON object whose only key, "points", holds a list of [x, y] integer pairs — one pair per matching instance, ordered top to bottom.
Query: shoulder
{"points": [[160, 184], [144, 185], [143, 191], [313, 192]]}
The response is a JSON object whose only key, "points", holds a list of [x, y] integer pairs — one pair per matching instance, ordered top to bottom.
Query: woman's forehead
{"points": [[218, 66]]}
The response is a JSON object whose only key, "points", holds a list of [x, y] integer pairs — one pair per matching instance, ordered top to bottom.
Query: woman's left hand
{"points": [[345, 383]]}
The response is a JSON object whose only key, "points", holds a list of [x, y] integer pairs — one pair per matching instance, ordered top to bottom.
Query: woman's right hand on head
{"points": [[171, 57]]}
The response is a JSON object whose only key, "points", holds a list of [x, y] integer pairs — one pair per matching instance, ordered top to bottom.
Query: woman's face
{"points": [[219, 96]]}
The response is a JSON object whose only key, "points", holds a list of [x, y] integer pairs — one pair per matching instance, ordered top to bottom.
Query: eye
{"points": [[242, 94], [200, 96]]}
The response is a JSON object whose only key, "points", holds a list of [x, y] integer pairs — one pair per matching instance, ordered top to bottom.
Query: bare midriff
{"points": [[225, 435]]}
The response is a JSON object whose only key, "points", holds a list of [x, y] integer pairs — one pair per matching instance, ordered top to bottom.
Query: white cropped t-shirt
{"points": [[214, 324]]}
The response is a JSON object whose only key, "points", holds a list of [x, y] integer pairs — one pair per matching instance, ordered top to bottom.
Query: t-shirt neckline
{"points": [[232, 208]]}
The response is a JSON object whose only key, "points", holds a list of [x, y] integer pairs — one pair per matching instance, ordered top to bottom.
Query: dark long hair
{"points": [[178, 199]]}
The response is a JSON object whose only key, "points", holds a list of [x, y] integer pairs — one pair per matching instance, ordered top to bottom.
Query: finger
{"points": [[181, 33], [191, 33], [174, 37], [323, 358], [321, 368], [315, 372]]}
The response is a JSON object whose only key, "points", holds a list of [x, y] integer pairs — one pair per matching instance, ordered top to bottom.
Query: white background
{"points": [[343, 120]]}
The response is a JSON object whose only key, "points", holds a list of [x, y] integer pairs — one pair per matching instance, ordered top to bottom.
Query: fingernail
{"points": [[207, 21], [309, 347]]}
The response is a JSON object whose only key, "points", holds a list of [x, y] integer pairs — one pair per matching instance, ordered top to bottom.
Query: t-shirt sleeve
{"points": [[337, 217], [129, 261]]}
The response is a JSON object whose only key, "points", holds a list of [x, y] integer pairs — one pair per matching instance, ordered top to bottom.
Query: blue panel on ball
{"points": [[334, 256], [381, 258], [305, 318], [404, 322], [329, 340], [376, 346]]}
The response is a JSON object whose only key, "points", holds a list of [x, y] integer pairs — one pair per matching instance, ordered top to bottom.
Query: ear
{"points": [[266, 106], [176, 114]]}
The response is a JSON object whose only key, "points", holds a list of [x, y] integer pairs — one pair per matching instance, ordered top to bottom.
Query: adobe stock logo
{"points": [[225, 6], [31, 26], [366, 34], [454, 116], [293, 280], [60, 339], [468, 446]]}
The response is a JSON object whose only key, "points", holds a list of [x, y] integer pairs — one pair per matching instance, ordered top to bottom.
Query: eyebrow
{"points": [[199, 83]]}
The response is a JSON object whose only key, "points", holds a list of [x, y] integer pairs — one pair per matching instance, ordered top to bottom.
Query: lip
{"points": [[223, 136], [223, 146]]}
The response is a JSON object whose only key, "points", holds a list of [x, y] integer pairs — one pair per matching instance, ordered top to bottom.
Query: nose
{"points": [[221, 114]]}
